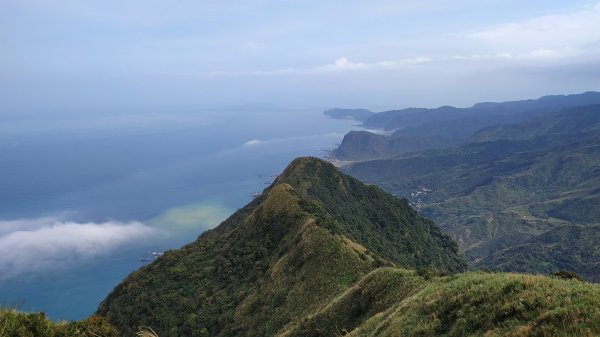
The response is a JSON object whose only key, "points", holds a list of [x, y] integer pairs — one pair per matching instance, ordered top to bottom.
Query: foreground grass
{"points": [[398, 302], [484, 304]]}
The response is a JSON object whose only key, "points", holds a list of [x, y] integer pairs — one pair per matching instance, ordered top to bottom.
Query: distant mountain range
{"points": [[417, 129], [516, 197]]}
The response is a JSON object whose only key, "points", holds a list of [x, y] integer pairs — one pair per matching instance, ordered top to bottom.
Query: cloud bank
{"points": [[567, 38], [258, 142], [33, 246]]}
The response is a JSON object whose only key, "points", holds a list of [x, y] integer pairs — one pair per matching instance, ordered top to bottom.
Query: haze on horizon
{"points": [[100, 56]]}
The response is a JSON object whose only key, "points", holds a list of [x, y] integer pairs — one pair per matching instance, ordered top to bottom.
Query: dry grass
{"points": [[146, 332]]}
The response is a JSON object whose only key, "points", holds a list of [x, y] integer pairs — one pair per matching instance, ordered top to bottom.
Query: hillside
{"points": [[417, 129], [364, 145], [502, 190], [310, 236], [563, 248], [392, 301], [396, 302]]}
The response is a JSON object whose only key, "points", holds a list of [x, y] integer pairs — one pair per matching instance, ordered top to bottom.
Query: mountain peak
{"points": [[304, 167], [384, 224], [312, 234]]}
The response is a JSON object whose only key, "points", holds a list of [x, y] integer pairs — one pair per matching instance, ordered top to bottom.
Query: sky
{"points": [[106, 55]]}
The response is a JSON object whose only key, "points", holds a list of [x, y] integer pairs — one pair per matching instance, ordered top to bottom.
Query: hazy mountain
{"points": [[405, 118], [419, 129], [364, 145], [503, 191]]}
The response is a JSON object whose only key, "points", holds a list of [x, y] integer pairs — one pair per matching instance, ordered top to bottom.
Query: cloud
{"points": [[576, 30], [565, 37], [342, 64], [285, 140], [253, 142], [298, 144], [30, 246]]}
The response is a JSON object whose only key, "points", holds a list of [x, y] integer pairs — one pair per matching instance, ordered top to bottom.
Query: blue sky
{"points": [[121, 54]]}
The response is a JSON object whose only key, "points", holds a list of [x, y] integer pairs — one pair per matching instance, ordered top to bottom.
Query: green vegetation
{"points": [[419, 129], [520, 197], [373, 218], [309, 237], [566, 248], [391, 301], [397, 302], [481, 304], [20, 324]]}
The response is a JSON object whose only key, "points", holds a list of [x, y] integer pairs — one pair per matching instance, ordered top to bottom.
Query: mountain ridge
{"points": [[418, 129], [507, 185], [308, 237]]}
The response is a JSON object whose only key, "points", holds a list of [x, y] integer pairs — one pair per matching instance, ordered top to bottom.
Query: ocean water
{"points": [[177, 173]]}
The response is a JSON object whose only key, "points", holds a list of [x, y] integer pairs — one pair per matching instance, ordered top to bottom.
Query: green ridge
{"points": [[501, 191], [311, 235], [397, 302]]}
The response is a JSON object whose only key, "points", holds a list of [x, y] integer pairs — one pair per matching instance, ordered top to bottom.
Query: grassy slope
{"points": [[508, 185], [373, 218], [309, 237], [555, 249], [209, 287], [391, 301], [396, 302]]}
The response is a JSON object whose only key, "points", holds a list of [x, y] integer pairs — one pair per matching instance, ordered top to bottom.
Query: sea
{"points": [[178, 173]]}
